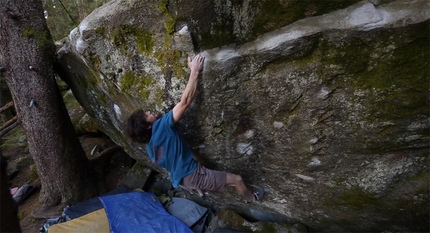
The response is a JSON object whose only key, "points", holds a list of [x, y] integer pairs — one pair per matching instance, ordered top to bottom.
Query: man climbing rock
{"points": [[167, 149]]}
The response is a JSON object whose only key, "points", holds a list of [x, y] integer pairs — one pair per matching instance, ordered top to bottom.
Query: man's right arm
{"points": [[189, 94]]}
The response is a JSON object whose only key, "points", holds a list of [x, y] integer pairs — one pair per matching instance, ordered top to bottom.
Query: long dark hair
{"points": [[138, 128]]}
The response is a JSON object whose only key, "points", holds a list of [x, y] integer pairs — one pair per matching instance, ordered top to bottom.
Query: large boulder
{"points": [[324, 103]]}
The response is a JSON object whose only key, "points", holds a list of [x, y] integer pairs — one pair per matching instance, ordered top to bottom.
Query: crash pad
{"points": [[86, 207], [186, 210], [140, 212], [96, 221]]}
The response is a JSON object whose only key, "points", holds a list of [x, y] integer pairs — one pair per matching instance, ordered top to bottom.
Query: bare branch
{"points": [[6, 106], [5, 130]]}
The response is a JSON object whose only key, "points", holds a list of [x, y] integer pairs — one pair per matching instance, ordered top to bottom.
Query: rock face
{"points": [[324, 103]]}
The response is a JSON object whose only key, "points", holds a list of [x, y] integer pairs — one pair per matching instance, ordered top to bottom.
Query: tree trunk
{"points": [[27, 55]]}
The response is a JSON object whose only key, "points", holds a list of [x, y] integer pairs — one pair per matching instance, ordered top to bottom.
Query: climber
{"points": [[168, 150]]}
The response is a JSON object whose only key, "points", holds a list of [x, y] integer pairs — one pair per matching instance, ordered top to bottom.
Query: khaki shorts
{"points": [[205, 179]]}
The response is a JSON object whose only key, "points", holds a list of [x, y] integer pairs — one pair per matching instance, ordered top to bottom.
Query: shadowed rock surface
{"points": [[322, 103]]}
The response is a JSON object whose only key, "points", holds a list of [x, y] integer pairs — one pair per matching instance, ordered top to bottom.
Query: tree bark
{"points": [[27, 55]]}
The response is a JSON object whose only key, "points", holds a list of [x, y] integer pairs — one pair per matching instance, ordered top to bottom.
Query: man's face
{"points": [[151, 117]]}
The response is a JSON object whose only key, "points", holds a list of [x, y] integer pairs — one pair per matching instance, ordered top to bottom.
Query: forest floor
{"points": [[15, 149], [21, 168], [30, 218]]}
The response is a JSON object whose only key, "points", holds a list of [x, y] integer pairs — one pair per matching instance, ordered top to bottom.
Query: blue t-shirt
{"points": [[168, 150]]}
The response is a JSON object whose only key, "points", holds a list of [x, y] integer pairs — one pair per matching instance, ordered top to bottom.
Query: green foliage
{"points": [[59, 22]]}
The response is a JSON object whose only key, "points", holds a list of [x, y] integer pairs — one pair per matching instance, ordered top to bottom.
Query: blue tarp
{"points": [[140, 212]]}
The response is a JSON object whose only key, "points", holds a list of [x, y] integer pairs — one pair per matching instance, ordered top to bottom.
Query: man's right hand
{"points": [[196, 64]]}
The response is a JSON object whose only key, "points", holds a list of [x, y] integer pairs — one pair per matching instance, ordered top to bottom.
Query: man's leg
{"points": [[237, 182]]}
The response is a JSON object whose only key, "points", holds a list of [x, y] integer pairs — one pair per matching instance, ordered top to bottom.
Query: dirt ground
{"points": [[28, 213]]}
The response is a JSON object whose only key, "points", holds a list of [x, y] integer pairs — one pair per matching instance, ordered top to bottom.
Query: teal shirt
{"points": [[168, 150]]}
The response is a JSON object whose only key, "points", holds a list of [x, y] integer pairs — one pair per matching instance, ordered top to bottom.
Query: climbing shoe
{"points": [[257, 195]]}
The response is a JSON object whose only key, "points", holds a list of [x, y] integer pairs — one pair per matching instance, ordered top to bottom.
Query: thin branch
{"points": [[6, 106], [9, 122], [8, 128]]}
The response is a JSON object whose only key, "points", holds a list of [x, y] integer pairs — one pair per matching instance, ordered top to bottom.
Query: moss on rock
{"points": [[276, 14], [269, 15], [170, 22], [101, 31], [220, 34], [144, 40], [169, 58], [94, 61], [385, 73], [130, 81], [159, 93], [102, 99], [86, 125], [415, 192], [357, 199], [233, 219], [268, 227]]}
